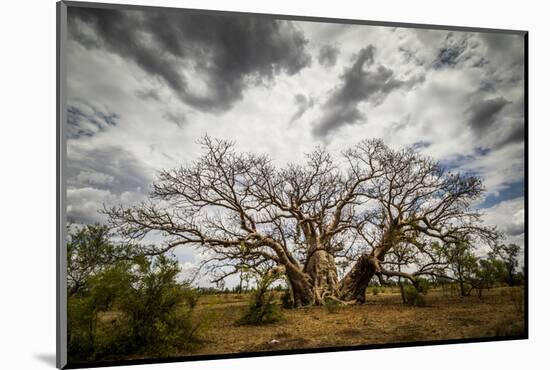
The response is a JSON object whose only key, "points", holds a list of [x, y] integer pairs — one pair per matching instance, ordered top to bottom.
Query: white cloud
{"points": [[84, 204], [509, 217]]}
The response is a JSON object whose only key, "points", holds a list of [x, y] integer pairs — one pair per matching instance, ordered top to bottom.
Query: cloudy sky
{"points": [[143, 86]]}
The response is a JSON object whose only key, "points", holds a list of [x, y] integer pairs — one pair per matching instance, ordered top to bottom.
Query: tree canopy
{"points": [[329, 223]]}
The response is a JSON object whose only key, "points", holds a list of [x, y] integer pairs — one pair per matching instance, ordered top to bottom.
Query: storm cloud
{"points": [[459, 49], [241, 50], [328, 55], [448, 56], [363, 82], [303, 103], [483, 114], [178, 118], [85, 119], [515, 134], [121, 170], [97, 176]]}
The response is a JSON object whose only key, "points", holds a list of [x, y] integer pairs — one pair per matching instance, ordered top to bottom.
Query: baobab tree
{"points": [[417, 203], [301, 219]]}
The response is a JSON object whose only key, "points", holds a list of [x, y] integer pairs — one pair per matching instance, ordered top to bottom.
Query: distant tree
{"points": [[304, 218], [509, 255], [401, 256], [428, 261], [463, 265], [488, 272]]}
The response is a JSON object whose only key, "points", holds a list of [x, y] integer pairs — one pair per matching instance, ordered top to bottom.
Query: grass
{"points": [[383, 319]]}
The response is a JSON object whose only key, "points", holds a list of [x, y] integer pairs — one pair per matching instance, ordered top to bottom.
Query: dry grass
{"points": [[383, 319]]}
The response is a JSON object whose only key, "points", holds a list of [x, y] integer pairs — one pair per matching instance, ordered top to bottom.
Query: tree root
{"points": [[344, 303]]}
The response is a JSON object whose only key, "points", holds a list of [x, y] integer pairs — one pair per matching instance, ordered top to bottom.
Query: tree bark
{"points": [[321, 268], [355, 282], [301, 286]]}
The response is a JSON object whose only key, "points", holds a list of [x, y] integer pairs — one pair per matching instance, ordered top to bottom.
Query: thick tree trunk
{"points": [[321, 268], [321, 276], [318, 280], [355, 282], [301, 286]]}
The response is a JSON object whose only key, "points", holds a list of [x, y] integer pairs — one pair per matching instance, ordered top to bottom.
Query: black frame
{"points": [[61, 266]]}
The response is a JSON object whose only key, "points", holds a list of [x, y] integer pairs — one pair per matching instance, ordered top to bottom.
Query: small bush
{"points": [[375, 291], [409, 294], [190, 295], [413, 297], [332, 305], [263, 308], [261, 311]]}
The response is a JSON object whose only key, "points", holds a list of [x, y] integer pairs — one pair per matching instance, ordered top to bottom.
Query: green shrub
{"points": [[375, 290], [409, 294], [190, 295], [414, 297], [145, 303], [332, 305], [152, 306], [263, 307], [262, 310], [81, 327], [85, 330]]}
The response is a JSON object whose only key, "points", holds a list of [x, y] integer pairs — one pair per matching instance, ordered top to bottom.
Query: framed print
{"points": [[236, 184]]}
